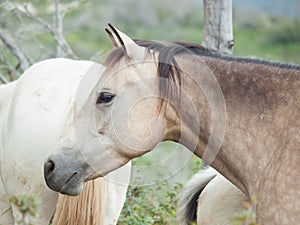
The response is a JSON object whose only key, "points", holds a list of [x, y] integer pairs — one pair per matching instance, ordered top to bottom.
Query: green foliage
{"points": [[285, 32], [261, 36], [259, 42], [197, 165], [155, 205], [27, 206], [247, 216]]}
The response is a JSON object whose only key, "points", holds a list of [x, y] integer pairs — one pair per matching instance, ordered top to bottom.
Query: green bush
{"points": [[285, 32], [27, 205], [155, 205], [247, 216]]}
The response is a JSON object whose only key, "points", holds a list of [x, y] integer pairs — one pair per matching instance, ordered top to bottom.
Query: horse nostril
{"points": [[49, 168]]}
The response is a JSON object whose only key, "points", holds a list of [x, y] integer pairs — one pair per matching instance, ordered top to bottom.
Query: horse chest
{"points": [[279, 193]]}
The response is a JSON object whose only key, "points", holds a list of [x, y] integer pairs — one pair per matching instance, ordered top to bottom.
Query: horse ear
{"points": [[112, 38], [130, 48]]}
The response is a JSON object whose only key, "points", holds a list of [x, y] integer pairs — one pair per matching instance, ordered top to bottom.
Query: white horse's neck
{"points": [[6, 92]]}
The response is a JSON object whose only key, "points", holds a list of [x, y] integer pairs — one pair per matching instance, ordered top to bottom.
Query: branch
{"points": [[71, 6], [26, 12], [59, 29], [56, 30], [62, 48], [15, 50], [6, 65], [3, 79]]}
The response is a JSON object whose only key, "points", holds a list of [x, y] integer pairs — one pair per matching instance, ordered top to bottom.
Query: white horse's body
{"points": [[5, 99], [33, 112], [210, 199]]}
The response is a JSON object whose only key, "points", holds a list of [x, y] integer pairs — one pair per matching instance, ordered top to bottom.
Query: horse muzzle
{"points": [[64, 176]]}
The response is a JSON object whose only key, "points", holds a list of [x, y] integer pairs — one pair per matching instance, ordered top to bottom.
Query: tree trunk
{"points": [[217, 33]]}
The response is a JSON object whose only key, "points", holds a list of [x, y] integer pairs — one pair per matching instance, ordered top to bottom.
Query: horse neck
{"points": [[6, 94], [252, 95], [200, 105]]}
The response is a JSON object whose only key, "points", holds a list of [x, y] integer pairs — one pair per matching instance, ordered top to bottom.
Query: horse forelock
{"points": [[167, 67]]}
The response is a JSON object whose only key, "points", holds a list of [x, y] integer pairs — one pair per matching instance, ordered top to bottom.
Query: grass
{"points": [[257, 43], [28, 206], [143, 206]]}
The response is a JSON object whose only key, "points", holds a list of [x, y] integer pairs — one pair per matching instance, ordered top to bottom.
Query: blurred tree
{"points": [[32, 22], [217, 33]]}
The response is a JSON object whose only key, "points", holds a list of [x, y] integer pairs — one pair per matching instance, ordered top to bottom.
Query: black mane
{"points": [[178, 47], [168, 68]]}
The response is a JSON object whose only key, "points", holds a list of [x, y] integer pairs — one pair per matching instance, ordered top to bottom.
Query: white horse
{"points": [[33, 112], [210, 199]]}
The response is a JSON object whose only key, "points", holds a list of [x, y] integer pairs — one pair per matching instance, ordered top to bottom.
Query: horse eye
{"points": [[104, 97]]}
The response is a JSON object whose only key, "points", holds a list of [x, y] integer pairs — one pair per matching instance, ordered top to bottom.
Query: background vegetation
{"points": [[43, 29], [75, 29]]}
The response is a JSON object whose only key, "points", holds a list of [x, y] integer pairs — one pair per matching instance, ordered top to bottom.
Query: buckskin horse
{"points": [[33, 111], [248, 111]]}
